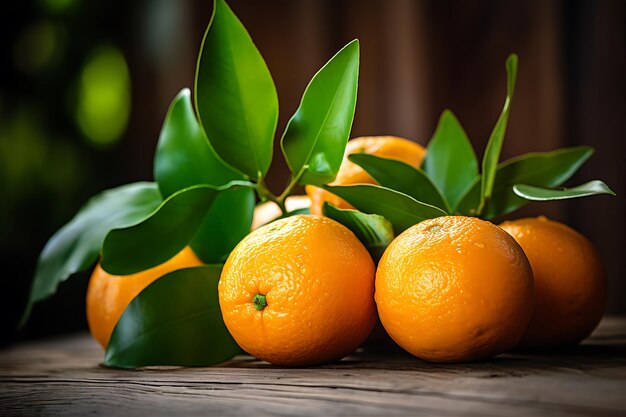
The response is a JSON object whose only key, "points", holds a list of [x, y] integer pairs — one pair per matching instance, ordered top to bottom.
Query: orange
{"points": [[391, 147], [268, 211], [570, 282], [454, 289], [299, 291], [109, 295]]}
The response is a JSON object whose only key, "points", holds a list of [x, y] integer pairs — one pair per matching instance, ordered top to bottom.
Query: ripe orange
{"points": [[350, 173], [268, 211], [570, 282], [454, 289], [299, 291], [109, 295]]}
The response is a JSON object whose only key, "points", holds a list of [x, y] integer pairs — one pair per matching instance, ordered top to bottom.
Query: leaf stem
{"points": [[292, 185], [266, 195], [281, 205], [481, 206]]}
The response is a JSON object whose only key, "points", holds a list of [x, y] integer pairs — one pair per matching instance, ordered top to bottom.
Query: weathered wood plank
{"points": [[62, 377]]}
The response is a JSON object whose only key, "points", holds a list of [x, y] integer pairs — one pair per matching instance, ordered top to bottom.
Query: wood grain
{"points": [[63, 377]]}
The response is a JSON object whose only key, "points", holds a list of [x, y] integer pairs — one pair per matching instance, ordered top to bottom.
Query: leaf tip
{"points": [[352, 47], [512, 60], [511, 72], [183, 96], [447, 114], [589, 151], [355, 157], [607, 189], [25, 315]]}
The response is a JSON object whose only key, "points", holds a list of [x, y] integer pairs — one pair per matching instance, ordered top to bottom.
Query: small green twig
{"points": [[293, 183], [289, 189], [266, 195], [281, 205]]}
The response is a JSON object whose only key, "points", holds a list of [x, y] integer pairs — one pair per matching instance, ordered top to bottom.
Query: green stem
{"points": [[292, 184], [266, 195], [281, 205], [481, 207], [259, 302]]}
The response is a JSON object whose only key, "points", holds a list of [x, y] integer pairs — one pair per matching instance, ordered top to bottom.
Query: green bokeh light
{"points": [[58, 6], [36, 46], [104, 99], [32, 160]]}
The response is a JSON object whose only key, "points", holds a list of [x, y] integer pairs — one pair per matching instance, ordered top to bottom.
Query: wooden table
{"points": [[63, 377]]}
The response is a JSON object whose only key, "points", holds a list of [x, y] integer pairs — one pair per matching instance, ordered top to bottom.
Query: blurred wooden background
{"points": [[417, 59]]}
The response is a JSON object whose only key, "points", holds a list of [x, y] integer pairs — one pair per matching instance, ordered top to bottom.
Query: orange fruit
{"points": [[391, 147], [268, 211], [570, 282], [454, 289], [299, 291], [109, 295]]}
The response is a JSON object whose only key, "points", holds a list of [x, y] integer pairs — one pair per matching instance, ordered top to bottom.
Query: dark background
{"points": [[71, 70]]}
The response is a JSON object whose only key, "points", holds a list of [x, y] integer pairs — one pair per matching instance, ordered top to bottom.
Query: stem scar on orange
{"points": [[350, 173], [570, 282], [454, 289], [299, 291], [109, 295]]}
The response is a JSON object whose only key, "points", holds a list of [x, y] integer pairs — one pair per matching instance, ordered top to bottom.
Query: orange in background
{"points": [[391, 147], [570, 282], [109, 295]]}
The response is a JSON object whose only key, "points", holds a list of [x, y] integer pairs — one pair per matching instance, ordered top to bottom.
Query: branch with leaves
{"points": [[209, 169], [448, 183]]}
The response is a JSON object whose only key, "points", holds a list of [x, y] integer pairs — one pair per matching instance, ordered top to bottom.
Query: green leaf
{"points": [[235, 95], [316, 136], [494, 146], [184, 158], [450, 159], [543, 169], [401, 177], [533, 193], [400, 209], [304, 210], [228, 221], [373, 230], [160, 236], [75, 247], [176, 320]]}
